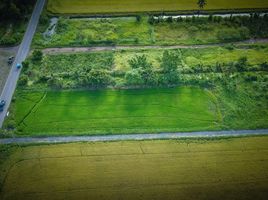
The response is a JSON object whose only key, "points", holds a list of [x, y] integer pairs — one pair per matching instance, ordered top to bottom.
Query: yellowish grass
{"points": [[121, 6], [219, 169]]}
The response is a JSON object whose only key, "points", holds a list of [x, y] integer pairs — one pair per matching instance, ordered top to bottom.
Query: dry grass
{"points": [[218, 169]]}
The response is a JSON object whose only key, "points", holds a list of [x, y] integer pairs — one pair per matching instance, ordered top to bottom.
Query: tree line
{"points": [[15, 9]]}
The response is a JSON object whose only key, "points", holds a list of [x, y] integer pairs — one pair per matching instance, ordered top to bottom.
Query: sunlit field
{"points": [[124, 6], [190, 169]]}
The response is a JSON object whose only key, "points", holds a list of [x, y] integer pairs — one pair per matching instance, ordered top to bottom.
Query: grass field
{"points": [[124, 6], [118, 111], [176, 169]]}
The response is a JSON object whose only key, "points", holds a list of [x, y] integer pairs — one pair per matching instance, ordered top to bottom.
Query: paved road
{"points": [[109, 48], [23, 51], [204, 134]]}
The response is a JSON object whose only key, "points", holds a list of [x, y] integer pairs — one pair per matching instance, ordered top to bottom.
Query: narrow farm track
{"points": [[110, 48], [106, 138]]}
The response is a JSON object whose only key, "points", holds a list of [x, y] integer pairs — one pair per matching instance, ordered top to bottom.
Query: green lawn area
{"points": [[124, 6], [115, 111]]}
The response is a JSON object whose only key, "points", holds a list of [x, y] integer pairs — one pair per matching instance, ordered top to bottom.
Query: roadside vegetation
{"points": [[127, 6], [14, 16], [142, 30], [221, 169]]}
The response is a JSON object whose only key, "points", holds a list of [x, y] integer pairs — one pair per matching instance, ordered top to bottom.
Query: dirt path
{"points": [[110, 48], [105, 138]]}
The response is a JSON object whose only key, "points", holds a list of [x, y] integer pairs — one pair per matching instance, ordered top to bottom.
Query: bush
{"points": [[138, 18], [151, 20], [169, 20], [229, 35], [37, 56], [139, 62], [241, 64], [98, 78], [134, 78], [23, 80], [55, 82], [11, 124]]}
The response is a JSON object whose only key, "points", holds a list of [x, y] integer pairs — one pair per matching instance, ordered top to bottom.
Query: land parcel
{"points": [[128, 6]]}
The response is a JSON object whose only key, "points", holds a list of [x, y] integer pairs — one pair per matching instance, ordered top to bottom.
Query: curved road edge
{"points": [[137, 137]]}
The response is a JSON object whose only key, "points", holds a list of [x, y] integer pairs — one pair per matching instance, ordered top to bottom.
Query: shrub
{"points": [[138, 18], [151, 20], [169, 20], [229, 35], [37, 56], [139, 62], [241, 64], [98, 77], [133, 77], [23, 80], [55, 82], [11, 124]]}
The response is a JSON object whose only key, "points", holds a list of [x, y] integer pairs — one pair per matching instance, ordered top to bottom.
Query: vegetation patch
{"points": [[14, 16], [143, 30], [232, 95]]}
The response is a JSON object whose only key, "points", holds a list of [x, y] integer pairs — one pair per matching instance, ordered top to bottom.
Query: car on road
{"points": [[10, 60], [19, 65], [2, 105]]}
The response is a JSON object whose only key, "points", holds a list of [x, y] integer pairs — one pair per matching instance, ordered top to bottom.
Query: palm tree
{"points": [[201, 3]]}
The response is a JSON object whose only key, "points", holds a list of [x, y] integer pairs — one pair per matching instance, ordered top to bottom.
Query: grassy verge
{"points": [[222, 169]]}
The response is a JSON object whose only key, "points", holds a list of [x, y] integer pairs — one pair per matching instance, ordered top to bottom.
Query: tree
{"points": [[201, 4], [144, 68], [169, 68], [133, 77]]}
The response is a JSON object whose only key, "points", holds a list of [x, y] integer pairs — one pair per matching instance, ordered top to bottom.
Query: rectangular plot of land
{"points": [[123, 6], [116, 111], [219, 172]]}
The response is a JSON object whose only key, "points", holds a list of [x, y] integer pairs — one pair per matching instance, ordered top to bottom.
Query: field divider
{"points": [[136, 137]]}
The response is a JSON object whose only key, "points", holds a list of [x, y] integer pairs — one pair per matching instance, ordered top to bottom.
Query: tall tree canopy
{"points": [[15, 9]]}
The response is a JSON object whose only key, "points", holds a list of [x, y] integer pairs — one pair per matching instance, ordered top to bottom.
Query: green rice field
{"points": [[115, 111]]}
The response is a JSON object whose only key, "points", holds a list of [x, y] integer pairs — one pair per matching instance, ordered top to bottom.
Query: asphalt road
{"points": [[22, 53], [137, 137]]}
